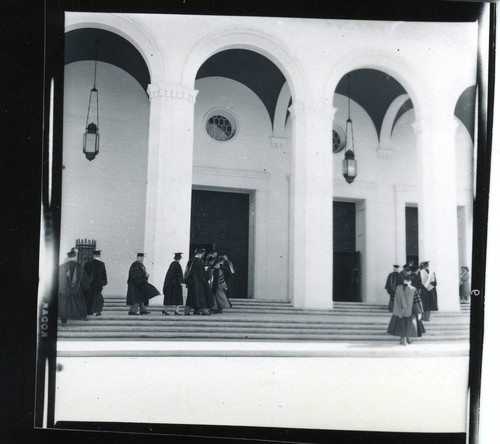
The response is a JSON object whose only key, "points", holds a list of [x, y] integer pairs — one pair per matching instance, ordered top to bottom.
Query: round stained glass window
{"points": [[220, 126]]}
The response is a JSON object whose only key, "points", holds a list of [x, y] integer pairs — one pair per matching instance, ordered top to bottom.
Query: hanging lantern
{"points": [[91, 135], [349, 166]]}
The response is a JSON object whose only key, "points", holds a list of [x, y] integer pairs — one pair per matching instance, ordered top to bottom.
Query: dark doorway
{"points": [[220, 221], [411, 235], [346, 260]]}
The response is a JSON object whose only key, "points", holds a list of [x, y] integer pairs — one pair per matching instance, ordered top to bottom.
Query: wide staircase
{"points": [[257, 320]]}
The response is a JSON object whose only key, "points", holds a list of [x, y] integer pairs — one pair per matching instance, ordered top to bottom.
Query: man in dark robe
{"points": [[96, 271], [393, 280], [73, 287], [172, 288], [139, 291], [199, 296]]}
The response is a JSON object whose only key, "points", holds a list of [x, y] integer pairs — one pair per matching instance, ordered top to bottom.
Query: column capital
{"points": [[172, 91], [301, 108], [278, 142], [384, 152]]}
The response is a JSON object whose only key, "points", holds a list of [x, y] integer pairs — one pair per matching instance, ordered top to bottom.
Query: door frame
{"points": [[412, 205], [252, 215], [361, 240]]}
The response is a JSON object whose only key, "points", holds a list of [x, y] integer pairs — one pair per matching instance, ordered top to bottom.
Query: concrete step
{"points": [[116, 301], [298, 312], [235, 319], [262, 320], [212, 326], [246, 336]]}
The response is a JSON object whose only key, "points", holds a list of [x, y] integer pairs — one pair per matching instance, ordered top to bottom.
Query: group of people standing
{"points": [[207, 279], [80, 287], [412, 297]]}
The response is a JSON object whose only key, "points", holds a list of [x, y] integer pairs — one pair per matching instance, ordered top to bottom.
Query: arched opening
{"points": [[465, 161], [239, 180], [105, 199], [371, 217]]}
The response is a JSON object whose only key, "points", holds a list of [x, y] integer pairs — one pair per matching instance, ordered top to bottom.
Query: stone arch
{"points": [[131, 30], [254, 40], [399, 70], [465, 109], [280, 113], [390, 121]]}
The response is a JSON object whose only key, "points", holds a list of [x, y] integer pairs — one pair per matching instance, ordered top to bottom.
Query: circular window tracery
{"points": [[220, 125], [338, 138]]}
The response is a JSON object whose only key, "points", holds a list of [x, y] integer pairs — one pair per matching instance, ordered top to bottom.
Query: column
{"points": [[170, 171], [311, 198], [438, 232]]}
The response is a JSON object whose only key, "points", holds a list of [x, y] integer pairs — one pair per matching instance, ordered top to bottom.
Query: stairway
{"points": [[257, 320]]}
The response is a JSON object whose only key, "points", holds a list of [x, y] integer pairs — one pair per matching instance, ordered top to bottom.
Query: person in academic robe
{"points": [[96, 271], [228, 271], [405, 271], [393, 280], [416, 282], [464, 285], [172, 286], [73, 287], [219, 288], [139, 290], [428, 291], [199, 296], [405, 320]]}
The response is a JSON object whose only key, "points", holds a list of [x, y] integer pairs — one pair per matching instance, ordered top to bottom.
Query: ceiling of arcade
{"points": [[373, 90]]}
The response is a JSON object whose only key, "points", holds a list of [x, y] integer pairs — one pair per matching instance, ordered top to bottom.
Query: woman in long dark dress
{"points": [[172, 288], [405, 321]]}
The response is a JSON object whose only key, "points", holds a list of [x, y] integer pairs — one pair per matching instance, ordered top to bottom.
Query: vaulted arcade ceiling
{"points": [[373, 90]]}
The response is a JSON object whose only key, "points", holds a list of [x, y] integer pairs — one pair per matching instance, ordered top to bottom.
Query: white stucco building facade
{"points": [[137, 194]]}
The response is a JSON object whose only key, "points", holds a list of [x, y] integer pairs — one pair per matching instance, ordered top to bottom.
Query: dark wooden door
{"points": [[221, 220], [412, 235], [346, 260]]}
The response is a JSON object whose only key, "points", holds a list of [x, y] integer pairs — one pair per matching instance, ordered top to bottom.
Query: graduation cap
{"points": [[199, 251], [96, 252], [71, 253], [140, 254], [178, 256], [396, 266]]}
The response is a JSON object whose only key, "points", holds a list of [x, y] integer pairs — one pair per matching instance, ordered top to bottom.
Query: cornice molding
{"points": [[172, 91], [247, 174], [357, 185], [405, 188]]}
